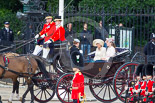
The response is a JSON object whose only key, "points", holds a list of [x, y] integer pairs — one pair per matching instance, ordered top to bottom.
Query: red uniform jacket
{"points": [[46, 28], [55, 35], [78, 81], [150, 85], [136, 87], [143, 87]]}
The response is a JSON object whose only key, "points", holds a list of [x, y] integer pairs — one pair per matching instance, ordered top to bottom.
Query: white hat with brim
{"points": [[49, 17], [57, 19], [110, 39], [77, 40], [98, 41]]}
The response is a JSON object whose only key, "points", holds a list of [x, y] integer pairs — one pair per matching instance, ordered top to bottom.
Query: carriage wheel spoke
{"points": [[119, 88], [112, 89], [101, 90], [122, 91], [39, 92], [48, 92], [105, 92], [62, 93], [109, 93], [41, 95], [45, 95], [64, 96], [68, 97]]}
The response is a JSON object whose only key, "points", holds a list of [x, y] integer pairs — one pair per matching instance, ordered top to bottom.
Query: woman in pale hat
{"points": [[100, 50], [111, 51]]}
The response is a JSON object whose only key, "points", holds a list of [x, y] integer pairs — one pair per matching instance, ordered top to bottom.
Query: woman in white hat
{"points": [[100, 50], [111, 51]]}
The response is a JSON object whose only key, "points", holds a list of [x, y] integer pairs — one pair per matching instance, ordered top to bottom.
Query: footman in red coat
{"points": [[78, 79]]}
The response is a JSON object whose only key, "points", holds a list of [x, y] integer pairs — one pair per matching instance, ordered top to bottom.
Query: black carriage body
{"points": [[62, 63], [101, 70]]}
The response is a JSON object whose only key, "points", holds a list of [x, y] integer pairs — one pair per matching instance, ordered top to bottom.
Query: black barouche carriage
{"points": [[106, 80]]}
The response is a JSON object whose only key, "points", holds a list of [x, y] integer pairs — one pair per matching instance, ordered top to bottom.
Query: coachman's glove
{"points": [[37, 36], [42, 36], [48, 42]]}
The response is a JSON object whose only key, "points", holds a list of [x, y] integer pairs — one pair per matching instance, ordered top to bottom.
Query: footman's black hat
{"points": [[57, 18], [77, 60], [139, 69], [149, 70], [143, 71]]}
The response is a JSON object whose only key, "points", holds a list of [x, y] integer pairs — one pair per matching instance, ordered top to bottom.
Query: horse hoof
{"points": [[20, 99], [23, 100], [9, 102]]}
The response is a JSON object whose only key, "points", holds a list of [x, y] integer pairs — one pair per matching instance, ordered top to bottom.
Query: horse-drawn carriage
{"points": [[105, 79]]}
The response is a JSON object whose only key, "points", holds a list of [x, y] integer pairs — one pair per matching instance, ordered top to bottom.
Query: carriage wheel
{"points": [[123, 75], [63, 88], [42, 90], [103, 92]]}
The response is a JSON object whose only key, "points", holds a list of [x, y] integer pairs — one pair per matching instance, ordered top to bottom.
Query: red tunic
{"points": [[46, 28], [59, 34], [78, 81], [149, 86], [136, 88], [143, 88]]}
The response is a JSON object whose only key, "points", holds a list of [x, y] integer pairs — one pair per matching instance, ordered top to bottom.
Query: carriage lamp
{"points": [[77, 58]]}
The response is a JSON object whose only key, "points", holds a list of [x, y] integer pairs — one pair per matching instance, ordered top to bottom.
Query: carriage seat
{"points": [[59, 44], [120, 55], [151, 59]]}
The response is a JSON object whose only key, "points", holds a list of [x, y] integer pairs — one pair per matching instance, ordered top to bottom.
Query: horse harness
{"points": [[5, 68]]}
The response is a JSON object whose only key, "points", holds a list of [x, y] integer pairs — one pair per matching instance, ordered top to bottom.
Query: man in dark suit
{"points": [[6, 35], [149, 49]]}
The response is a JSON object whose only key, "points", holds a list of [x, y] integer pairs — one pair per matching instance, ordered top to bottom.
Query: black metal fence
{"points": [[131, 28]]}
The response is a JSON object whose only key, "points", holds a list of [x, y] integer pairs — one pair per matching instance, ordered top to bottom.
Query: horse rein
{"points": [[25, 43]]}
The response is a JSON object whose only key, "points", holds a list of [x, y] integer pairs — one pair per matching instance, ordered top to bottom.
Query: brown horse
{"points": [[25, 66]]}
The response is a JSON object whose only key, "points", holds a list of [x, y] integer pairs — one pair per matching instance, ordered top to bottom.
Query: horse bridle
{"points": [[5, 68]]}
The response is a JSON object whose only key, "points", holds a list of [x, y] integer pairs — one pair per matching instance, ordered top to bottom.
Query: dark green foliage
{"points": [[12, 5]]}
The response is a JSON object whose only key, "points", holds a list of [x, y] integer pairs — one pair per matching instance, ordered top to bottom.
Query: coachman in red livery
{"points": [[48, 26], [54, 35]]}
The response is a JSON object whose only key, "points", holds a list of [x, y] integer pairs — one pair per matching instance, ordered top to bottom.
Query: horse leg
{"points": [[30, 88], [17, 90], [13, 91], [31, 91], [24, 95]]}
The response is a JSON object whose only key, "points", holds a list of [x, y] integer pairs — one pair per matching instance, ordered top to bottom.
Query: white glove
{"points": [[37, 36], [42, 36], [47, 42], [81, 51]]}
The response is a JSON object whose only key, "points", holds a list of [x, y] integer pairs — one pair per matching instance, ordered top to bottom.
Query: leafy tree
{"points": [[13, 5]]}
